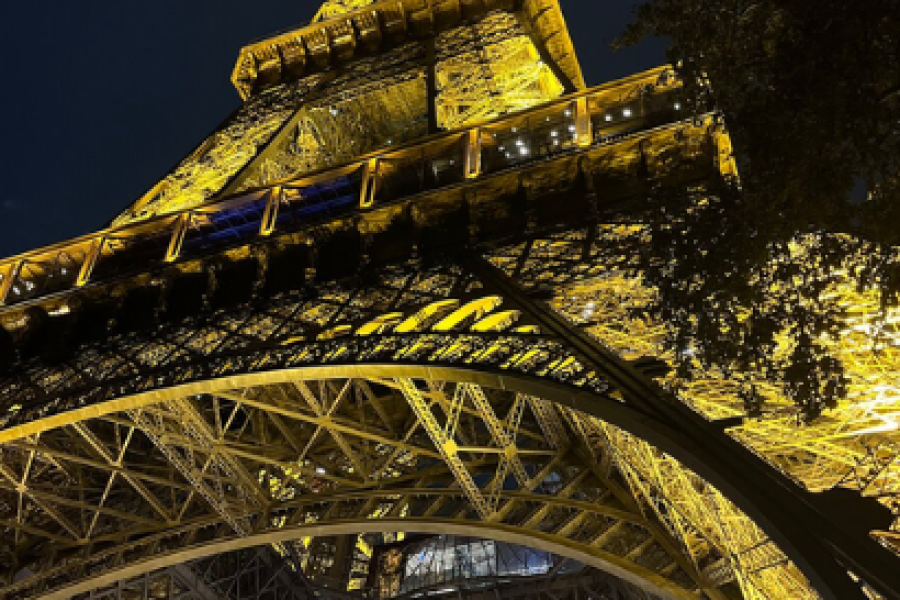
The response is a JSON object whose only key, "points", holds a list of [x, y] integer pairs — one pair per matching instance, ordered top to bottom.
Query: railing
{"points": [[566, 125]]}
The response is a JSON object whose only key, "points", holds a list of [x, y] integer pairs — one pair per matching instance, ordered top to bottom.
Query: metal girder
{"points": [[281, 151], [526, 353], [535, 354], [324, 409], [324, 412], [549, 421], [335, 425], [503, 433], [447, 446], [116, 461], [197, 466], [19, 485], [418, 491], [820, 550], [242, 575], [202, 580]]}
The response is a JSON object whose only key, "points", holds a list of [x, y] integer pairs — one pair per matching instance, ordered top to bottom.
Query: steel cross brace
{"points": [[808, 527]]}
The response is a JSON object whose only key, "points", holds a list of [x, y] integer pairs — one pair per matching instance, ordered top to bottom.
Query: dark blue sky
{"points": [[100, 99]]}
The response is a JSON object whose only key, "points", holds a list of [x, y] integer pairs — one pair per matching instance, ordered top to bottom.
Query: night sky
{"points": [[101, 98]]}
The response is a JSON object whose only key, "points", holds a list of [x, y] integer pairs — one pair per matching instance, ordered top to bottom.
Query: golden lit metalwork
{"points": [[334, 8], [481, 70], [491, 79], [281, 345], [856, 444], [587, 506]]}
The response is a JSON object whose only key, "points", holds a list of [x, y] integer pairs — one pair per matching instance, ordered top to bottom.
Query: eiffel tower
{"points": [[383, 314]]}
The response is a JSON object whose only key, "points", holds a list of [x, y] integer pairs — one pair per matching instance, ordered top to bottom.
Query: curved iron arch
{"points": [[559, 363], [786, 528], [600, 560]]}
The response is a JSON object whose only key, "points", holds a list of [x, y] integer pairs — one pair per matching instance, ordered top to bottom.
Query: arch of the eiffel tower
{"points": [[391, 296]]}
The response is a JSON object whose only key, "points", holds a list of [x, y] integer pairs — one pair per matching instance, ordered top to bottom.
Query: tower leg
{"points": [[804, 525]]}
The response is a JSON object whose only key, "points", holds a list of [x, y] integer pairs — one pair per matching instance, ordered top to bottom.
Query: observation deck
{"points": [[601, 134]]}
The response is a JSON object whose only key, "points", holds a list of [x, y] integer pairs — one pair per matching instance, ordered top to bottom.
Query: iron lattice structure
{"points": [[391, 294], [261, 573]]}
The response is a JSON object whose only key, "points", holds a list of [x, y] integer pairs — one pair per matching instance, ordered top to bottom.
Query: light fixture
{"points": [[678, 106], [333, 111], [626, 112], [609, 117], [554, 133], [523, 151], [320, 471]]}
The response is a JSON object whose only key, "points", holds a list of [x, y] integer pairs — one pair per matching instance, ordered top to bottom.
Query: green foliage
{"points": [[810, 91]]}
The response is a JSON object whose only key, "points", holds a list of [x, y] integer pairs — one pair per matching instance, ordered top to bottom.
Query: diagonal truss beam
{"points": [[324, 412], [446, 445], [116, 461], [21, 487], [213, 490], [811, 538]]}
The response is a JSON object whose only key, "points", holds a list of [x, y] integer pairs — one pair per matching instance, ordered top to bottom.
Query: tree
{"points": [[810, 91]]}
